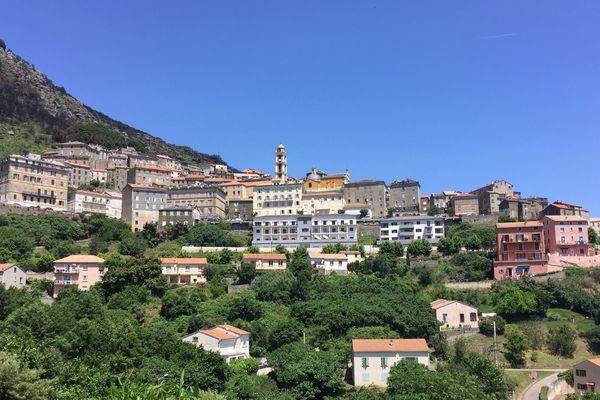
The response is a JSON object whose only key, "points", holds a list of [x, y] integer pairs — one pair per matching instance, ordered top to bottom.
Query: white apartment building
{"points": [[284, 199], [83, 201], [322, 202], [405, 229], [312, 231], [330, 263], [12, 276], [230, 342], [372, 359]]}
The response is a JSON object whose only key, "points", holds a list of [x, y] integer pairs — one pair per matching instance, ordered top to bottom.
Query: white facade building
{"points": [[283, 199], [109, 204], [405, 229], [312, 231], [330, 263], [12, 276], [230, 342], [372, 359]]}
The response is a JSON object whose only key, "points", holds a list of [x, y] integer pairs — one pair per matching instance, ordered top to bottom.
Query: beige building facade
{"points": [[31, 182], [283, 199], [209, 200], [141, 204], [80, 271], [184, 271], [454, 314], [586, 376]]}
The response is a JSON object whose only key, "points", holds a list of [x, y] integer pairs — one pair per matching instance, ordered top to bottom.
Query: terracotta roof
{"points": [[77, 165], [154, 168], [99, 170], [231, 183], [257, 183], [137, 186], [452, 193], [464, 196], [562, 204], [357, 205], [565, 218], [525, 224], [264, 256], [326, 256], [80, 258], [184, 260], [4, 267], [439, 303], [233, 329], [219, 333], [389, 345], [595, 361]]}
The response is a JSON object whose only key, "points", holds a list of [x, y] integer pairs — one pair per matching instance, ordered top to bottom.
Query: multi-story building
{"points": [[134, 158], [116, 159], [169, 163], [79, 174], [99, 174], [142, 174], [116, 177], [196, 179], [28, 181], [318, 181], [373, 193], [492, 194], [405, 196], [281, 199], [209, 200], [438, 200], [83, 201], [322, 202], [424, 203], [141, 204], [464, 204], [536, 206], [562, 208], [239, 210], [362, 210], [185, 215], [595, 224], [407, 228], [312, 231], [566, 235], [521, 250], [266, 261], [330, 263], [81, 271], [184, 271], [12, 276], [454, 314], [230, 342], [372, 359], [586, 376]]}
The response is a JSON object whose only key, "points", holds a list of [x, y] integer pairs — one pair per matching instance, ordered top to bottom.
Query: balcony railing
{"points": [[64, 283]]}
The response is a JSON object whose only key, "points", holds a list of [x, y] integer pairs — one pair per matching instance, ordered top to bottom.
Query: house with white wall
{"points": [[266, 261], [330, 263], [12, 276], [454, 314], [230, 342], [372, 359]]}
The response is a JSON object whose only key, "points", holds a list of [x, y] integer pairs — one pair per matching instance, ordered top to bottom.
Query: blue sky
{"points": [[454, 94]]}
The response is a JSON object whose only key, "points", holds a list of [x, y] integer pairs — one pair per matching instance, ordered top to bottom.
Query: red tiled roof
{"points": [[154, 168], [93, 193], [525, 224], [265, 256], [325, 256], [80, 258], [202, 261], [4, 267], [439, 303], [233, 329], [219, 334], [389, 345], [595, 361]]}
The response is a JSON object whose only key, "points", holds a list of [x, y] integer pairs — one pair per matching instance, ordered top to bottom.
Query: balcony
{"points": [[40, 194], [64, 283]]}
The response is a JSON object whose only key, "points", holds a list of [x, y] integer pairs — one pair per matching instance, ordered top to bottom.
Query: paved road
{"points": [[533, 391]]}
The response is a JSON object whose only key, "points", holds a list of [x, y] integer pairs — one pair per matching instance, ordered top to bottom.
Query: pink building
{"points": [[566, 235], [520, 250], [266, 261], [81, 271]]}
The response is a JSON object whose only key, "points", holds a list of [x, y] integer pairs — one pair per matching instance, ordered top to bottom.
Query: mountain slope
{"points": [[34, 113]]}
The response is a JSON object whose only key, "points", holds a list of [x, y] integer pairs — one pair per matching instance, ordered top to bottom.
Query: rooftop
{"points": [[573, 218], [525, 224], [263, 256], [325, 256], [80, 258], [202, 261], [4, 267], [389, 345]]}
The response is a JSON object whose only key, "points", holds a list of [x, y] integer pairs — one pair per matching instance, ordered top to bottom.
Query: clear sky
{"points": [[451, 93]]}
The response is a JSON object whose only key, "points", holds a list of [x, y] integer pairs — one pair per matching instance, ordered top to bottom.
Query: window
{"points": [[473, 317], [462, 318], [365, 362], [384, 363], [581, 372], [582, 386]]}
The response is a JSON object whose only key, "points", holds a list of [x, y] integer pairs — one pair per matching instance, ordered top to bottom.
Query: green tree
{"points": [[2, 44], [433, 210], [363, 213], [593, 236], [473, 242], [133, 245], [448, 246], [419, 247], [392, 248], [141, 271], [246, 273], [277, 286], [181, 301], [512, 302], [486, 326], [285, 332], [592, 336], [561, 341], [515, 346], [305, 373], [17, 382]]}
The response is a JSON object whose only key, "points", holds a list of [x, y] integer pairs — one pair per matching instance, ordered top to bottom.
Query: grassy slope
{"points": [[25, 137]]}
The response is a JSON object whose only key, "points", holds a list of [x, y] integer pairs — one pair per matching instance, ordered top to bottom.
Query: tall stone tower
{"points": [[280, 165]]}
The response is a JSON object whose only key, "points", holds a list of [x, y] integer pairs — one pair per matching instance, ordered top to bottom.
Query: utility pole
{"points": [[303, 336], [495, 346]]}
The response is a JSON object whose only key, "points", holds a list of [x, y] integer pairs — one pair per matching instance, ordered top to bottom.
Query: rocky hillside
{"points": [[34, 113]]}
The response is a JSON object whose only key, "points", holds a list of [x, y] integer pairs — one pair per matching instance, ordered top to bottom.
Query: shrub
{"points": [[486, 326]]}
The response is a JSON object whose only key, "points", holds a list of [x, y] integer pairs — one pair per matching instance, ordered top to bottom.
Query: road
{"points": [[533, 391]]}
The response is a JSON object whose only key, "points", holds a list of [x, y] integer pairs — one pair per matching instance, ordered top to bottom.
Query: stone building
{"points": [[280, 165], [79, 174], [143, 174], [116, 177], [29, 181], [372, 193], [492, 194], [404, 196], [208, 200], [141, 204], [464, 204], [562, 208], [184, 215]]}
